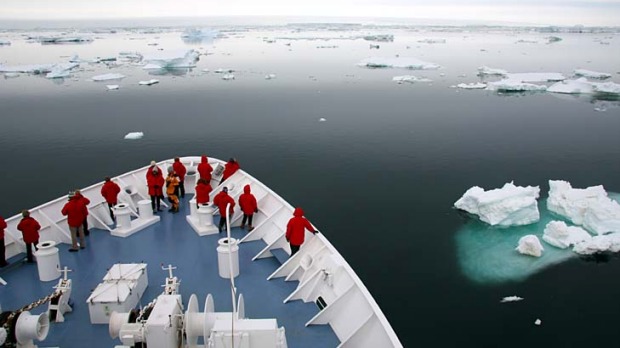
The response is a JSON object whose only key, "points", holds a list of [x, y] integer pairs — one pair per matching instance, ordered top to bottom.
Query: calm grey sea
{"points": [[379, 176]]}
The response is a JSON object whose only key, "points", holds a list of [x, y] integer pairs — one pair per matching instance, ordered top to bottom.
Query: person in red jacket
{"points": [[205, 169], [229, 169], [180, 170], [155, 182], [203, 190], [110, 191], [222, 199], [86, 202], [248, 205], [75, 211], [296, 230], [30, 232], [2, 255]]}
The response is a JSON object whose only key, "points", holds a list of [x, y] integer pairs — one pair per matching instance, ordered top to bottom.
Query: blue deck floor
{"points": [[172, 241]]}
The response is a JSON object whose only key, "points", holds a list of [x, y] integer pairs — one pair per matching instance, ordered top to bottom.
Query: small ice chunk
{"points": [[173, 59], [397, 62], [61, 70], [205, 70], [485, 70], [224, 71], [591, 74], [270, 76], [105, 77], [228, 77], [410, 79], [148, 82], [476, 85], [113, 87], [607, 88], [322, 119], [134, 135], [509, 206], [558, 234], [530, 245], [511, 299], [538, 322]]}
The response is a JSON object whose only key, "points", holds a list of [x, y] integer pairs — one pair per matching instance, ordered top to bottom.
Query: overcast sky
{"points": [[556, 12]]}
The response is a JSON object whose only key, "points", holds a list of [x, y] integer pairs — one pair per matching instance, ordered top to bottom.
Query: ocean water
{"points": [[378, 177]]}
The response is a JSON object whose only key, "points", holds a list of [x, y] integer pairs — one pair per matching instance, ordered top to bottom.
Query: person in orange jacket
{"points": [[230, 168], [204, 169], [180, 170], [155, 182], [172, 183], [203, 190], [110, 191], [222, 199], [86, 202], [249, 206], [75, 213], [296, 230], [30, 232], [2, 254]]}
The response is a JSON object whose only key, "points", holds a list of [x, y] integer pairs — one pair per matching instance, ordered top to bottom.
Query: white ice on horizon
{"points": [[172, 59], [397, 62], [591, 74], [110, 76], [410, 79], [475, 85], [134, 135], [508, 206], [590, 207], [560, 235], [530, 245], [511, 299]]}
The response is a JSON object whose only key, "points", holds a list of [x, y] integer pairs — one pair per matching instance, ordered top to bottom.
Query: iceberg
{"points": [[172, 59], [397, 62], [486, 71], [591, 74], [105, 77], [410, 79], [148, 82], [476, 85], [134, 135], [571, 203], [509, 206], [558, 234], [599, 244], [530, 245]]}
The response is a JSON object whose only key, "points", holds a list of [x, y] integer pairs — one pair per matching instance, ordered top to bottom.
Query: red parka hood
{"points": [[204, 159], [246, 189], [298, 212]]}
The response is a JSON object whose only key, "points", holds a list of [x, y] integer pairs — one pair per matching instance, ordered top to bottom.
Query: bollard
{"points": [[144, 209], [205, 215], [123, 216], [222, 257], [48, 261]]}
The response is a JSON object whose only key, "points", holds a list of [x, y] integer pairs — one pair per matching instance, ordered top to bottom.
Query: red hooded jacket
{"points": [[179, 169], [205, 169], [229, 169], [155, 182], [110, 191], [202, 193], [221, 200], [247, 201], [75, 211], [2, 227], [296, 227], [30, 229]]}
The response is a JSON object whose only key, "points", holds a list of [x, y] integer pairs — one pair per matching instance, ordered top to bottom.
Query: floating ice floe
{"points": [[199, 33], [380, 37], [63, 39], [552, 39], [432, 41], [5, 43], [130, 56], [172, 59], [397, 62], [31, 68], [61, 70], [485, 70], [224, 71], [591, 74], [11, 75], [110, 76], [270, 76], [228, 77], [535, 77], [410, 79], [148, 82], [476, 85], [514, 86], [579, 86], [112, 87], [606, 88], [322, 119], [134, 135], [509, 206], [590, 207], [558, 234], [599, 244], [530, 245], [511, 299], [538, 322]]}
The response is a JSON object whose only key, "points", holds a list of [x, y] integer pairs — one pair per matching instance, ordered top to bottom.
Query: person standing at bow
{"points": [[231, 167], [204, 169], [180, 170], [155, 183], [172, 184], [203, 190], [110, 191], [221, 200], [85, 201], [249, 206], [75, 212], [296, 230], [30, 232], [2, 251]]}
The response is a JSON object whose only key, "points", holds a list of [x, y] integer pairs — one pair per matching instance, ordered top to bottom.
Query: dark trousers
{"points": [[180, 190], [155, 199], [110, 205], [247, 218], [222, 222], [85, 227], [294, 249], [29, 250], [2, 256]]}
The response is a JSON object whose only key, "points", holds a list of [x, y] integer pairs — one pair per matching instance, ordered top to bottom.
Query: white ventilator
{"points": [[31, 327]]}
